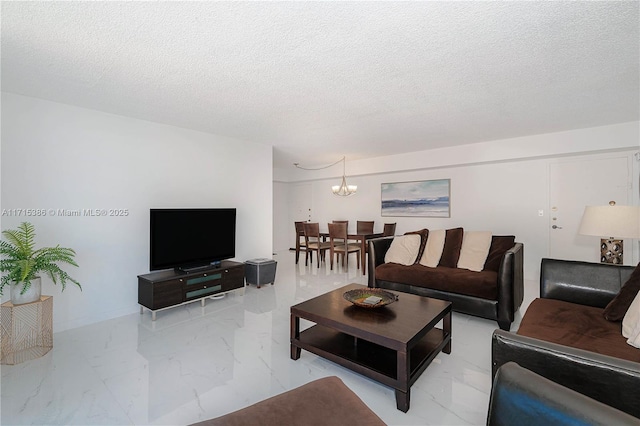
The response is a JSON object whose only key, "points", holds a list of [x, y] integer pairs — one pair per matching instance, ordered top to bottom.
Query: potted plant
{"points": [[21, 263]]}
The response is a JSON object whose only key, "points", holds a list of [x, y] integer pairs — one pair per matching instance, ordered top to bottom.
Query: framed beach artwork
{"points": [[426, 198]]}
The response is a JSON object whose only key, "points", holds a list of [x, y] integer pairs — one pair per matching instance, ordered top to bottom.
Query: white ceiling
{"points": [[321, 79]]}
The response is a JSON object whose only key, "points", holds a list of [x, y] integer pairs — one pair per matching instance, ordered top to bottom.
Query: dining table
{"points": [[361, 238]]}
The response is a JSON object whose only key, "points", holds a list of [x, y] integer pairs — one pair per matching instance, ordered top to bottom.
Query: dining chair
{"points": [[342, 221], [364, 227], [389, 229], [314, 242], [339, 244], [300, 245]]}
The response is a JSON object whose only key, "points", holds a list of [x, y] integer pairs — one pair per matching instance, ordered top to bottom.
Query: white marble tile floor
{"points": [[195, 363]]}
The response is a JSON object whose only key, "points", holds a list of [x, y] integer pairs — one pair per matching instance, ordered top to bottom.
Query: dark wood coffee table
{"points": [[392, 345]]}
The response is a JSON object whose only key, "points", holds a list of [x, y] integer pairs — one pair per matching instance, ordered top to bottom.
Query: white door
{"points": [[578, 183], [301, 199]]}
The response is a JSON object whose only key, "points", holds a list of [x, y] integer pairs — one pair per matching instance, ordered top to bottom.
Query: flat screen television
{"points": [[186, 239]]}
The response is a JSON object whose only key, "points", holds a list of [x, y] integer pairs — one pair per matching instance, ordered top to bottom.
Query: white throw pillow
{"points": [[433, 249], [403, 250], [474, 250], [631, 323]]}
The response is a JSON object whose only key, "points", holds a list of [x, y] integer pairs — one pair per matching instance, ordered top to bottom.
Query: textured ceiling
{"points": [[318, 80]]}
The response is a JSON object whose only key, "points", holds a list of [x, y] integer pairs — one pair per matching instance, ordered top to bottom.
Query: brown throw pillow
{"points": [[424, 233], [452, 245], [499, 246], [616, 309]]}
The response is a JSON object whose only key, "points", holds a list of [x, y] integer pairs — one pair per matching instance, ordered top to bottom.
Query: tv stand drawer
{"points": [[199, 281], [204, 291], [159, 295]]}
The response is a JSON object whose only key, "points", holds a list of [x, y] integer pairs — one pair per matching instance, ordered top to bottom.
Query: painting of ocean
{"points": [[427, 198]]}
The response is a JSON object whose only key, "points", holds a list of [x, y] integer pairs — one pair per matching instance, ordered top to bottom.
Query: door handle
{"points": [[556, 227]]}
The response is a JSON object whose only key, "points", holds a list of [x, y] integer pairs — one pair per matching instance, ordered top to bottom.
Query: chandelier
{"points": [[343, 189]]}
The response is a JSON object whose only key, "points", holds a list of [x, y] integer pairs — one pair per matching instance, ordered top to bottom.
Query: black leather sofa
{"points": [[454, 285], [584, 365], [521, 397]]}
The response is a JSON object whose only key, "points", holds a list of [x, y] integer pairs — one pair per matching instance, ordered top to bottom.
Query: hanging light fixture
{"points": [[343, 189]]}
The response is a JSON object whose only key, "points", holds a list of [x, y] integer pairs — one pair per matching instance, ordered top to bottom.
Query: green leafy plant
{"points": [[21, 262]]}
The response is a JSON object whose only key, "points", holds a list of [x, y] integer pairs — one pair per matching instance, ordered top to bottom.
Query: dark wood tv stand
{"points": [[167, 289]]}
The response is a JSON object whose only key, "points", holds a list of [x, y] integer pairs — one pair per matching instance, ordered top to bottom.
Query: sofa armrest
{"points": [[377, 249], [584, 283], [510, 285], [610, 380], [519, 396]]}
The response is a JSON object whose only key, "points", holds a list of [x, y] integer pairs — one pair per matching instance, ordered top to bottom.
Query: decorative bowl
{"points": [[358, 296]]}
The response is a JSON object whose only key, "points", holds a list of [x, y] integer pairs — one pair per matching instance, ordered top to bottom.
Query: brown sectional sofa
{"points": [[494, 293], [565, 337]]}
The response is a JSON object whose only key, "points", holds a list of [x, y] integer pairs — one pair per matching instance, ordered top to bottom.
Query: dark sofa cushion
{"points": [[424, 234], [500, 244], [452, 246], [462, 281], [615, 310], [577, 326]]}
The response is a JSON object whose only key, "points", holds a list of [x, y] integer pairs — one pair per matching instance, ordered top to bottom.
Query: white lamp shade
{"points": [[611, 221]]}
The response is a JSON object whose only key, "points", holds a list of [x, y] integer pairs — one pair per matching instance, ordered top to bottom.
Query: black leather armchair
{"points": [[612, 381], [521, 397]]}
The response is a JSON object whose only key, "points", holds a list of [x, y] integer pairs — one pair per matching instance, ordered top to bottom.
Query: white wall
{"points": [[549, 145], [56, 156], [496, 193], [281, 240]]}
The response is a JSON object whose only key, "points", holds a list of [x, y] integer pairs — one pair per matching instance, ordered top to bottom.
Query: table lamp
{"points": [[615, 221]]}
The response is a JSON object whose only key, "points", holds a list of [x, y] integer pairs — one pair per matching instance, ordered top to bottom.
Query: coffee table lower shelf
{"points": [[369, 359]]}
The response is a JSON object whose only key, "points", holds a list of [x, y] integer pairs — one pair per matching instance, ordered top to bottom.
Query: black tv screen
{"points": [[189, 238]]}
